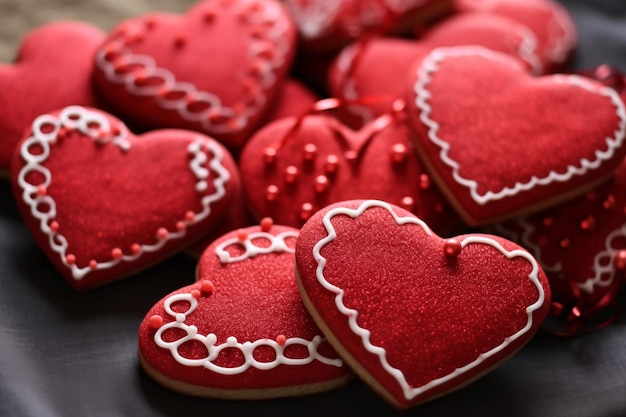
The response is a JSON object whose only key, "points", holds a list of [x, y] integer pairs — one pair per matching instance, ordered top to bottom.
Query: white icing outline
{"points": [[267, 15], [561, 30], [526, 52], [430, 65], [81, 119], [278, 244], [604, 272], [364, 334], [246, 348]]}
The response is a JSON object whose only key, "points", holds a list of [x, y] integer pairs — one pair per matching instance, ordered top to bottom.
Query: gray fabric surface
{"points": [[64, 353]]}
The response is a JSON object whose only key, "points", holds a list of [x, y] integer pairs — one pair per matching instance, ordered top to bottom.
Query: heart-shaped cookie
{"points": [[549, 21], [326, 25], [54, 68], [216, 69], [356, 73], [501, 143], [293, 167], [103, 203], [581, 246], [415, 315], [240, 332]]}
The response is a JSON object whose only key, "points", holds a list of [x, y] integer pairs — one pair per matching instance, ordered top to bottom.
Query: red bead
{"points": [[310, 151], [398, 153], [269, 155], [331, 164], [291, 174], [424, 182], [321, 184], [41, 190], [271, 193], [408, 203], [609, 203], [306, 210], [190, 216], [548, 221], [588, 223], [266, 224], [54, 226], [180, 226], [162, 233], [242, 236], [565, 243], [136, 248], [452, 248], [116, 253], [70, 259], [619, 260], [93, 264], [195, 294], [155, 321], [281, 339]]}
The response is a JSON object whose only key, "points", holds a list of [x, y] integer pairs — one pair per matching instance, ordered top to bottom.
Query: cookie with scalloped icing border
{"points": [[551, 23], [327, 25], [53, 69], [216, 69], [356, 73], [501, 143], [294, 167], [103, 203], [581, 246], [416, 316], [241, 331]]}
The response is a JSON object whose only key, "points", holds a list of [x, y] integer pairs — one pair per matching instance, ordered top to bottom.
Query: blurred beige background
{"points": [[18, 17]]}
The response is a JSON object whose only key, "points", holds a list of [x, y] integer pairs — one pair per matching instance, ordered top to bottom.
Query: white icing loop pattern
{"points": [[430, 66], [172, 94], [36, 150], [277, 244], [352, 314], [246, 348]]}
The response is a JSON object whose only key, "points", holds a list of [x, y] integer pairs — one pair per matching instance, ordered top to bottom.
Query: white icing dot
{"points": [[202, 186], [180, 317]]}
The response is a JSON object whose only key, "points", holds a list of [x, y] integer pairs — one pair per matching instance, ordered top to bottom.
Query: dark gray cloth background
{"points": [[70, 354]]}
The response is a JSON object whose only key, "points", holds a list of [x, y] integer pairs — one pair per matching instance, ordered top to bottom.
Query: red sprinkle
{"points": [[452, 248], [207, 287], [281, 339]]}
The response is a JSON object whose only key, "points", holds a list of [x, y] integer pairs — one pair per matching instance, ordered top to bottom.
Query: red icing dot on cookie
{"points": [[310, 151], [398, 153], [269, 155], [331, 164], [291, 174], [424, 181], [321, 184], [271, 193], [306, 210], [266, 224], [54, 225], [162, 233], [242, 236], [452, 248], [116, 253], [70, 259], [619, 260], [93, 264], [207, 287], [195, 294], [155, 321], [281, 339]]}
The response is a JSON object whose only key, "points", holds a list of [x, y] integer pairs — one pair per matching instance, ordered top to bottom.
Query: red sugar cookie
{"points": [[550, 22], [326, 25], [53, 69], [215, 69], [357, 73], [501, 143], [291, 168], [103, 203], [581, 246], [415, 315], [241, 331]]}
